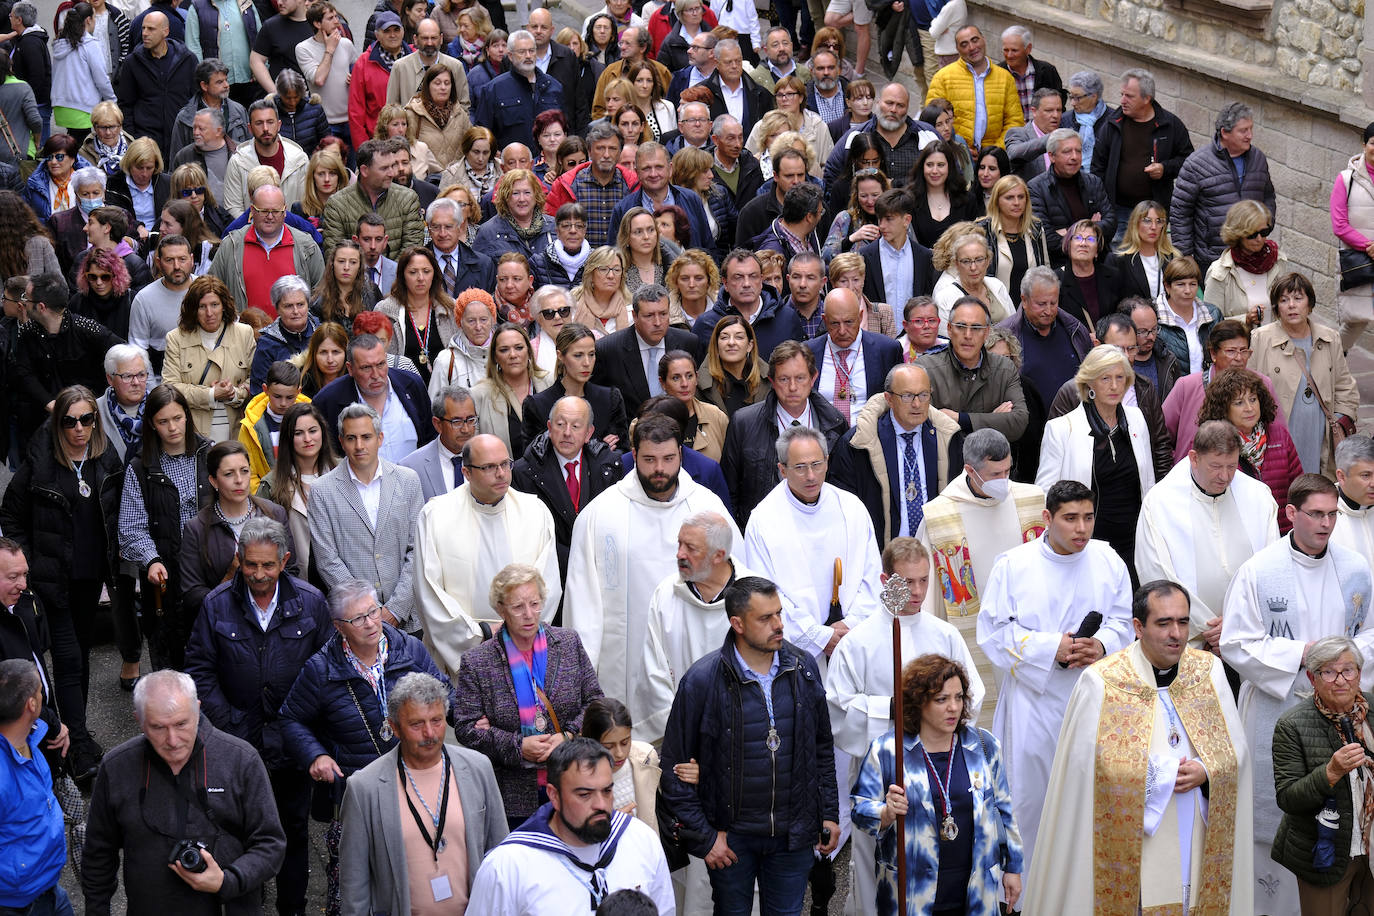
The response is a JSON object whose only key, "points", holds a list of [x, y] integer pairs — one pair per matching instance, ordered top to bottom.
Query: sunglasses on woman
{"points": [[192, 192], [1261, 234], [550, 314], [86, 419]]}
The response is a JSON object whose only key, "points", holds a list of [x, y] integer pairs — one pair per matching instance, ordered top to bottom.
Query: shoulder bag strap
{"points": [[206, 371], [1321, 401]]}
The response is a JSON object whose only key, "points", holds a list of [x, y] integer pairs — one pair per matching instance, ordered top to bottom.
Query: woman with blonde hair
{"points": [[472, 25], [619, 94], [790, 96], [436, 119], [393, 121], [108, 140], [475, 169], [694, 170], [324, 176], [140, 178], [191, 184], [1016, 237], [1144, 252], [848, 270], [693, 282], [1238, 282], [602, 301], [421, 312], [209, 356], [735, 375], [511, 377], [1104, 444]]}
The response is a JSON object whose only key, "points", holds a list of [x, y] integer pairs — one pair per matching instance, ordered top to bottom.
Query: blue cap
{"points": [[386, 20]]}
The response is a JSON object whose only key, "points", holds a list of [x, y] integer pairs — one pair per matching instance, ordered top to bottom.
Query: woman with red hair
{"points": [[102, 285], [464, 360]]}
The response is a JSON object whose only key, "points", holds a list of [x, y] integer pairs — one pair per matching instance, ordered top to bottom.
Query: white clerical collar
{"points": [[1202, 495], [804, 508], [1051, 554], [1304, 559]]}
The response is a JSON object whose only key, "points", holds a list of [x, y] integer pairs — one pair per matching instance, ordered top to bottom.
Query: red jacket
{"points": [[659, 26], [367, 94], [561, 192], [1281, 468]]}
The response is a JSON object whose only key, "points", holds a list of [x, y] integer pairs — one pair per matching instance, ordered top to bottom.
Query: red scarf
{"points": [[1260, 262]]}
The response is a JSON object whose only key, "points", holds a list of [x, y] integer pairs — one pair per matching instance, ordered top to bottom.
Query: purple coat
{"points": [[485, 688]]}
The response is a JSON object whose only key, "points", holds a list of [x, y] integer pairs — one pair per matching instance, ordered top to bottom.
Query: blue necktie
{"points": [[457, 471], [911, 484]]}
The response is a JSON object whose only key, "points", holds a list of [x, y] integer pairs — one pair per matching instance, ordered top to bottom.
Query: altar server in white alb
{"points": [[1355, 478], [1200, 524], [795, 535], [464, 538], [623, 546], [1038, 597], [1286, 597], [687, 617], [859, 687], [1146, 811], [576, 850]]}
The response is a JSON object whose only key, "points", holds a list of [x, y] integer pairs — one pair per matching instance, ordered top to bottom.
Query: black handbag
{"points": [[1357, 268], [675, 836]]}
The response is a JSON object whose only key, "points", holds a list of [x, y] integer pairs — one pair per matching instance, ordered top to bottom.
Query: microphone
{"points": [[1089, 627], [1348, 731]]}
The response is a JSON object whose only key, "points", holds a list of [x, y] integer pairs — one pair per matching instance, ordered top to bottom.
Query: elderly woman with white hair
{"points": [[1086, 109], [1103, 444], [334, 717]]}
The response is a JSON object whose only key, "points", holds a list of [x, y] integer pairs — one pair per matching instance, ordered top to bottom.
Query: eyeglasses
{"points": [[787, 94], [1078, 97], [695, 121], [106, 126], [58, 157], [192, 192], [263, 212], [1151, 221], [576, 226], [1262, 234], [1088, 239], [972, 262], [608, 271], [23, 298], [550, 314], [925, 322], [964, 328], [1147, 332], [1235, 353], [129, 378], [910, 397], [86, 419], [459, 422], [814, 467], [488, 468], [1321, 516], [372, 614], [1349, 674]]}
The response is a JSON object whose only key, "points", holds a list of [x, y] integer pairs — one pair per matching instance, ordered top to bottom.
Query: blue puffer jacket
{"points": [[307, 125], [37, 193], [275, 343], [242, 674], [320, 716], [707, 723]]}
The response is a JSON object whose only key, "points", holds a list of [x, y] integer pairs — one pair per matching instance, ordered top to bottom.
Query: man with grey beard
{"points": [[518, 94], [900, 137]]}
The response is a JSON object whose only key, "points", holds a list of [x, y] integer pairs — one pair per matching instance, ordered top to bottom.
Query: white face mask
{"points": [[995, 490]]}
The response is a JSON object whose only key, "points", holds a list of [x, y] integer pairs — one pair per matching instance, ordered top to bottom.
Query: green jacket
{"points": [[399, 208], [1304, 741]]}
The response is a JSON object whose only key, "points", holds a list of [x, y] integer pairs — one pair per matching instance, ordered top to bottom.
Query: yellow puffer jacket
{"points": [[955, 83], [251, 428]]}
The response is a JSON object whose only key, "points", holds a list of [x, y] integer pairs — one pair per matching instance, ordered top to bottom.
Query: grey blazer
{"points": [[1026, 149], [434, 469], [344, 545], [372, 857]]}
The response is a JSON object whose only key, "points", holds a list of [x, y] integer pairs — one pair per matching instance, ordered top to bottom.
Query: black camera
{"points": [[187, 854]]}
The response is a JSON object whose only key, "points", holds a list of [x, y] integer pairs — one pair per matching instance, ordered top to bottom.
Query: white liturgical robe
{"points": [[1355, 529], [1201, 541], [624, 544], [796, 545], [460, 546], [1033, 597]]}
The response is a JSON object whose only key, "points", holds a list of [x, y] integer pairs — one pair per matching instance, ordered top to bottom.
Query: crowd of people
{"points": [[654, 448]]}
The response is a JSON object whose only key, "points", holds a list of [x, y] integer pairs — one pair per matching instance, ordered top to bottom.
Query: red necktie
{"points": [[574, 486]]}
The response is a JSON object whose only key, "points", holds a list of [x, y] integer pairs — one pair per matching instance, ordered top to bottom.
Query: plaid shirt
{"points": [[1025, 88], [599, 201]]}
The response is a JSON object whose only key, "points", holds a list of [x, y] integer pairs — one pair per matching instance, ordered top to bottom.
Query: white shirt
{"points": [[734, 99], [649, 355], [858, 384], [785, 419], [399, 437], [446, 459], [899, 483], [370, 493], [265, 614]]}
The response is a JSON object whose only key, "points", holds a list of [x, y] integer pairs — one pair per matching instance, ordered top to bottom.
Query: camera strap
{"points": [[437, 843]]}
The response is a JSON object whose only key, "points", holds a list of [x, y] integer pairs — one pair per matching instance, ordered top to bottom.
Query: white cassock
{"points": [[1355, 529], [1201, 541], [624, 544], [796, 545], [460, 546], [1033, 597], [1280, 601], [682, 628], [859, 689], [1156, 852]]}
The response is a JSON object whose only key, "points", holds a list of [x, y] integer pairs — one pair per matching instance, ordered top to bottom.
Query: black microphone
{"points": [[1092, 621], [1348, 731]]}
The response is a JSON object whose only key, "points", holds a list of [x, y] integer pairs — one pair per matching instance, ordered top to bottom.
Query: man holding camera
{"points": [[190, 808]]}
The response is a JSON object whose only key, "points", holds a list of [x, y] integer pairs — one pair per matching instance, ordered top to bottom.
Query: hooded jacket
{"points": [[79, 77], [253, 432]]}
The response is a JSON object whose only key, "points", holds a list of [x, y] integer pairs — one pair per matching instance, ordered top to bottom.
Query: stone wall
{"points": [[1308, 129]]}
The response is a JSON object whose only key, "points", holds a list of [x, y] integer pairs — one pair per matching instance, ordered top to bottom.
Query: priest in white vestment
{"points": [[1355, 478], [980, 515], [1200, 524], [464, 538], [623, 545], [1289, 595], [1037, 598], [859, 688], [1127, 828]]}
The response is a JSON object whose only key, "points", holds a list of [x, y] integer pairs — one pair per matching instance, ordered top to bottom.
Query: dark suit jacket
{"points": [[566, 68], [757, 100], [118, 189], [425, 191], [475, 268], [923, 272], [1130, 275], [1071, 293], [880, 355], [619, 366], [341, 392], [608, 412], [540, 472]]}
